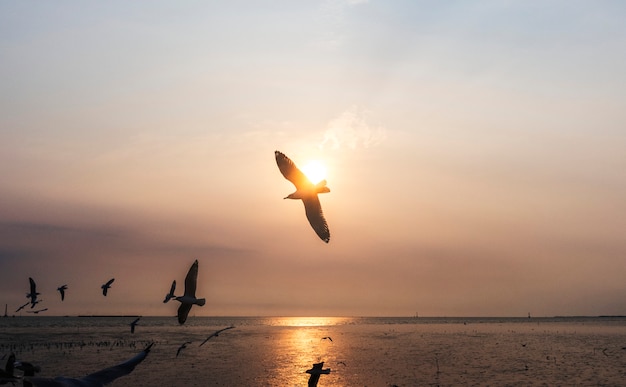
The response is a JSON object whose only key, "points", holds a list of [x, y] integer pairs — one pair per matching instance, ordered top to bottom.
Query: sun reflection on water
{"points": [[309, 321]]}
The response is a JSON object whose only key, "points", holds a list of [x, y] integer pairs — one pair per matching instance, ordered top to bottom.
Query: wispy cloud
{"points": [[352, 129]]}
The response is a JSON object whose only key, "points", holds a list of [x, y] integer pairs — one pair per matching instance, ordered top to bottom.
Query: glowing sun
{"points": [[315, 171]]}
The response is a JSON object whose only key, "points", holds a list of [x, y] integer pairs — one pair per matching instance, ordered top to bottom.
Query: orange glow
{"points": [[315, 171]]}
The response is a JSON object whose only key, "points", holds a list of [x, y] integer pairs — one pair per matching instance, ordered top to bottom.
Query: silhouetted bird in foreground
{"points": [[307, 192], [107, 286], [62, 290], [170, 295], [189, 298], [215, 334], [316, 372], [6, 374], [97, 379]]}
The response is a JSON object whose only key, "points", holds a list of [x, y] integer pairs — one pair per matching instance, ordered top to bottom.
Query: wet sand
{"points": [[435, 354]]}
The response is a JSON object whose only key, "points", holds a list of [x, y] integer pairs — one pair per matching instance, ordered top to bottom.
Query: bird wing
{"points": [[291, 172], [314, 214], [191, 279], [110, 281], [173, 288], [62, 291], [183, 312], [207, 339], [108, 375]]}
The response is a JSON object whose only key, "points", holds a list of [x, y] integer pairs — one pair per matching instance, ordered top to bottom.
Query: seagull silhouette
{"points": [[307, 192], [107, 286], [62, 290], [33, 292], [170, 295], [189, 298], [134, 324], [215, 334], [327, 338], [183, 346], [97, 379]]}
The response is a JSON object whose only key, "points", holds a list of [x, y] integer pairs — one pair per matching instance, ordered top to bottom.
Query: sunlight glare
{"points": [[315, 171]]}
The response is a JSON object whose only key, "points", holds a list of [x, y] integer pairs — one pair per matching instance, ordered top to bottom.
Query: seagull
{"points": [[307, 192], [107, 286], [61, 290], [33, 292], [170, 295], [189, 298], [22, 307], [37, 311], [133, 324], [215, 334], [327, 338], [183, 346], [28, 369], [6, 374], [97, 379]]}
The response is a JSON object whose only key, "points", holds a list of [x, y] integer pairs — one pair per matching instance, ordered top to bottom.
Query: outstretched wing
{"points": [[291, 172], [314, 214], [191, 279], [110, 281], [173, 288], [183, 312], [108, 375], [99, 378]]}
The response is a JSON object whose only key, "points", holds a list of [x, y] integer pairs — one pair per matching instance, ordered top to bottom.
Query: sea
{"points": [[356, 351]]}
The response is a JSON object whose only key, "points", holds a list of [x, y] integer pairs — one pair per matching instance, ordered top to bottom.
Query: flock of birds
{"points": [[305, 191]]}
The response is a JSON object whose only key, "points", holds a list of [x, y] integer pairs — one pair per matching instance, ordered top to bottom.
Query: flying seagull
{"points": [[307, 192], [107, 286], [62, 290], [33, 292], [170, 295], [189, 298], [134, 324], [215, 334], [327, 338], [183, 346], [96, 379]]}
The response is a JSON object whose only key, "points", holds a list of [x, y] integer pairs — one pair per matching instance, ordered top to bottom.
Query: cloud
{"points": [[352, 130]]}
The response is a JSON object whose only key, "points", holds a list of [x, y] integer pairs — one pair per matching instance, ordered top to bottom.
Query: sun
{"points": [[315, 171]]}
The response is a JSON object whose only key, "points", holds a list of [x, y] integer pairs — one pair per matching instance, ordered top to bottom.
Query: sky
{"points": [[475, 153]]}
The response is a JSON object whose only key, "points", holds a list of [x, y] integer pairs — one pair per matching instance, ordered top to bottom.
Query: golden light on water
{"points": [[315, 170], [309, 321]]}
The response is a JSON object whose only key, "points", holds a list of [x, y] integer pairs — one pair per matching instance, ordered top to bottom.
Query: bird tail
{"points": [[321, 187], [200, 301]]}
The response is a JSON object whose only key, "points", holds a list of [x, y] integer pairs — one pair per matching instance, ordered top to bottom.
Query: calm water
{"points": [[277, 351]]}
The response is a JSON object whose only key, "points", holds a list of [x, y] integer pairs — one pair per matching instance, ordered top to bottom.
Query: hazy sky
{"points": [[475, 152]]}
